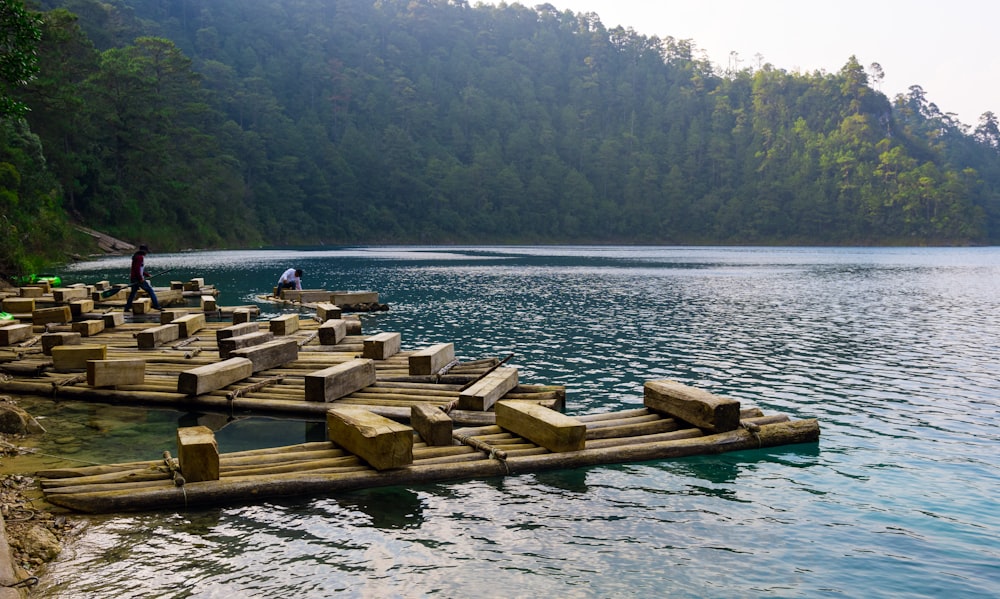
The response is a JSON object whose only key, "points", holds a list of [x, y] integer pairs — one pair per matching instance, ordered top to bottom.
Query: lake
{"points": [[894, 350]]}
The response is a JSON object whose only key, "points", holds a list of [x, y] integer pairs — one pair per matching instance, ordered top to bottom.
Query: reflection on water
{"points": [[894, 350]]}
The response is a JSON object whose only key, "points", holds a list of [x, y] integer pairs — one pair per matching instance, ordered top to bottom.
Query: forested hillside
{"points": [[242, 122]]}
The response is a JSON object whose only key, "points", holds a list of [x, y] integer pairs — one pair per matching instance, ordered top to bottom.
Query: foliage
{"points": [[19, 35], [433, 121]]}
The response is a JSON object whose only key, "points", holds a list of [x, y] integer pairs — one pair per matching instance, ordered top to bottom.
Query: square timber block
{"points": [[32, 292], [65, 294], [351, 298], [208, 303], [19, 305], [142, 305], [78, 307], [327, 311], [57, 314], [241, 315], [168, 316], [113, 319], [190, 323], [285, 324], [353, 324], [88, 328], [244, 328], [332, 332], [14, 333], [155, 336], [50, 340], [230, 344], [381, 346], [269, 354], [74, 357], [431, 359], [110, 373], [212, 377], [337, 381], [488, 390], [698, 407], [432, 424], [547, 428], [381, 442], [197, 454]]}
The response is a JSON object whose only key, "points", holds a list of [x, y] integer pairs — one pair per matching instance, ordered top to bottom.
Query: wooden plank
{"points": [[19, 305], [327, 311], [56, 314], [113, 319], [190, 323], [285, 324], [88, 328], [243, 328], [332, 332], [14, 333], [156, 336], [50, 340], [230, 344], [381, 346], [270, 354], [74, 357], [431, 359], [109, 373], [211, 377], [337, 381], [481, 395], [698, 407], [432, 424], [552, 430], [381, 442], [197, 454]]}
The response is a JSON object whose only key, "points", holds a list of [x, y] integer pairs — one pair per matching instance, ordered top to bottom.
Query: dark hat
{"points": [[144, 248]]}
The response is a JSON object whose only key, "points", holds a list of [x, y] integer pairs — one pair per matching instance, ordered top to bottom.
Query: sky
{"points": [[945, 47]]}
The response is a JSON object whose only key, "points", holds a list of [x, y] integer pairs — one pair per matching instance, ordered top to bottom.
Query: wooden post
{"points": [[332, 332], [381, 346], [431, 359], [109, 373], [213, 376], [337, 381], [484, 393], [698, 407], [432, 424], [550, 429], [381, 442], [197, 454]]}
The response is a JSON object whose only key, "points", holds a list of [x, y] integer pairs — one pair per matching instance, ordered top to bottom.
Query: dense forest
{"points": [[185, 123]]}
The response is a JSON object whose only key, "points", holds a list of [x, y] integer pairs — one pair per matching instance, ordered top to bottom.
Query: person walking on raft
{"points": [[138, 276]]}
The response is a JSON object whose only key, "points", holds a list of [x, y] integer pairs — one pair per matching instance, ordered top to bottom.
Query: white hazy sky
{"points": [[946, 47]]}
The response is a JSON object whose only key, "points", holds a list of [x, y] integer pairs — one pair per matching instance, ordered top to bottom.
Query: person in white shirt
{"points": [[291, 279]]}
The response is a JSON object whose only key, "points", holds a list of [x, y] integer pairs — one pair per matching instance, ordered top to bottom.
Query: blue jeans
{"points": [[145, 286]]}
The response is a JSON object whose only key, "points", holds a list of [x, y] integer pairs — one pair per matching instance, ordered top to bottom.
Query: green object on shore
{"points": [[53, 280], [6, 316]]}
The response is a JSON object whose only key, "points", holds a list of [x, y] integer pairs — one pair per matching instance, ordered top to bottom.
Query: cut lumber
{"points": [[31, 292], [65, 294], [350, 298], [208, 303], [19, 305], [142, 305], [79, 307], [327, 311], [56, 314], [241, 315], [168, 316], [113, 319], [190, 323], [286, 324], [88, 328], [243, 328], [332, 331], [14, 333], [156, 336], [50, 340], [230, 344], [381, 346], [270, 354], [74, 357], [431, 359], [110, 373], [211, 377], [337, 381], [482, 394], [697, 407], [432, 424], [552, 430], [381, 442], [197, 454]]}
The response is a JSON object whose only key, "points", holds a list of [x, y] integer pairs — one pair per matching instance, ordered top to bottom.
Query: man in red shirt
{"points": [[138, 277]]}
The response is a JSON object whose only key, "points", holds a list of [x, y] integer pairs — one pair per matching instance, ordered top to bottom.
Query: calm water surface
{"points": [[894, 350]]}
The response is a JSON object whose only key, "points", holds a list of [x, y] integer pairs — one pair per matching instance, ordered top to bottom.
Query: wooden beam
{"points": [[65, 294], [350, 298], [208, 303], [19, 305], [78, 307], [327, 311], [56, 314], [172, 314], [113, 319], [190, 323], [285, 324], [88, 328], [243, 328], [332, 332], [14, 333], [155, 336], [50, 340], [230, 344], [381, 346], [270, 354], [74, 357], [431, 359], [110, 373], [211, 377], [337, 381], [481, 396], [698, 407], [432, 424], [550, 429], [381, 442], [197, 454]]}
